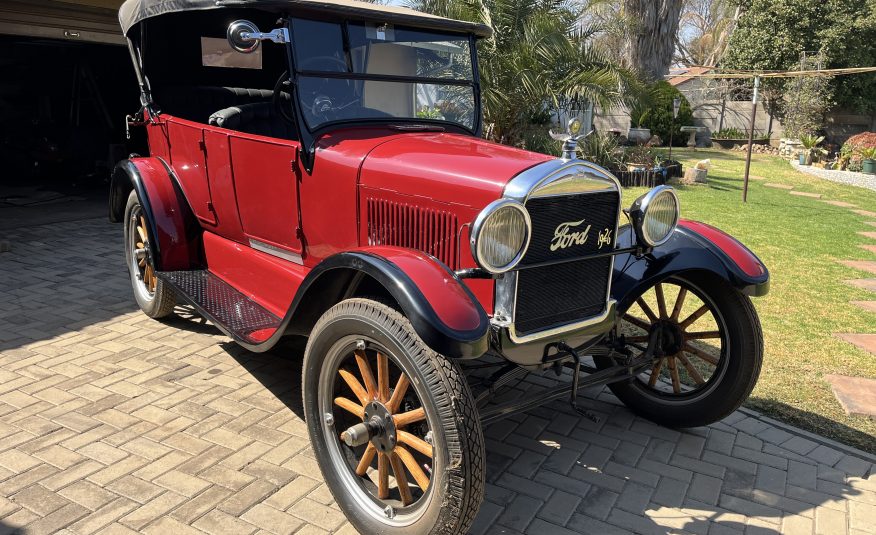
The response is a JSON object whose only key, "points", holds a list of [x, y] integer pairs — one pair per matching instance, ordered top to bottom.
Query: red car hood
{"points": [[445, 167]]}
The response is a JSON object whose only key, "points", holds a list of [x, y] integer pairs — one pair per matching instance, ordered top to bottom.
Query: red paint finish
{"points": [[190, 165], [448, 167], [265, 182], [222, 185], [178, 251], [740, 254], [269, 281], [446, 296]]}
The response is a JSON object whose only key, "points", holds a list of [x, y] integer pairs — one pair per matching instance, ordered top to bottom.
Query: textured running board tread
{"points": [[224, 305]]}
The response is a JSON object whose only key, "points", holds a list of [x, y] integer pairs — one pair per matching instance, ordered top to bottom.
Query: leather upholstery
{"points": [[197, 103], [259, 118]]}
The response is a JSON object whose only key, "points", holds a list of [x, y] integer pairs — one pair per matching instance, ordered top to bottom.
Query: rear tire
{"points": [[154, 298], [361, 330], [735, 373]]}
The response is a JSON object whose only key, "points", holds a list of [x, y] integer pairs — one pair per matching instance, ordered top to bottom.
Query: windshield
{"points": [[360, 71]]}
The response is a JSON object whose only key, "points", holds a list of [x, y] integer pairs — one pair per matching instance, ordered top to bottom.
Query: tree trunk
{"points": [[651, 40]]}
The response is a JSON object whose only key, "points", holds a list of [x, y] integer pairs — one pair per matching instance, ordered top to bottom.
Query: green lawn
{"points": [[800, 240]]}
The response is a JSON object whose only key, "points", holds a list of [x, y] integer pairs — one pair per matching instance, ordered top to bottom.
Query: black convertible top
{"points": [[133, 12]]}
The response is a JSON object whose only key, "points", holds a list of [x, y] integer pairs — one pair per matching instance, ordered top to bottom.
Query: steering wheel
{"points": [[326, 94], [277, 98]]}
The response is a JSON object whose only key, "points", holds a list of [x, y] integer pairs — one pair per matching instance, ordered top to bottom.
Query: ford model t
{"points": [[316, 168]]}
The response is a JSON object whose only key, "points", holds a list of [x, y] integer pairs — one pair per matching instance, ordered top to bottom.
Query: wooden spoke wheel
{"points": [[154, 298], [692, 337], [708, 357], [392, 423], [389, 439]]}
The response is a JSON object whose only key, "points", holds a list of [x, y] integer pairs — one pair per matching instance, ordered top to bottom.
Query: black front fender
{"points": [[694, 247], [442, 310]]}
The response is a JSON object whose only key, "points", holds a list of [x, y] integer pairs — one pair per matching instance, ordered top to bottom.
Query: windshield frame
{"points": [[309, 135]]}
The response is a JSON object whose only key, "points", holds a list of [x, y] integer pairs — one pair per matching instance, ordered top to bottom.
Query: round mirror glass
{"points": [[236, 32]]}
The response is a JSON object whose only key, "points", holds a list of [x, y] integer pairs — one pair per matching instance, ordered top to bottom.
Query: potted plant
{"points": [[638, 115], [810, 148], [868, 163]]}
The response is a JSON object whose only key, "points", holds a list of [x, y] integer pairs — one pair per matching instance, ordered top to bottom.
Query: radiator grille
{"points": [[425, 229], [556, 295], [553, 296]]}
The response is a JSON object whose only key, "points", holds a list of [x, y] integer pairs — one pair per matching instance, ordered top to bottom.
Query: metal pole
{"points": [[671, 128], [750, 138]]}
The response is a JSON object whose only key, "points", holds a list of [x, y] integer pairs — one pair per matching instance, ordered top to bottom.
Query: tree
{"points": [[704, 30], [772, 35], [651, 39], [538, 55]]}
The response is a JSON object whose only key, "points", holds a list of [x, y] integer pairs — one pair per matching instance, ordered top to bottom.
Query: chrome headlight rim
{"points": [[639, 213], [478, 226]]}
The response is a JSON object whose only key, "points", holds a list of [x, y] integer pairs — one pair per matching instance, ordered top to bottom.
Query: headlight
{"points": [[655, 215], [500, 235]]}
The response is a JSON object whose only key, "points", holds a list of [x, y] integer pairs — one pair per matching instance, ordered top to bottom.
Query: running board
{"points": [[234, 313]]}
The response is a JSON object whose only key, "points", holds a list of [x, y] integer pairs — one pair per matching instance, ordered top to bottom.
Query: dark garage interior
{"points": [[66, 88]]}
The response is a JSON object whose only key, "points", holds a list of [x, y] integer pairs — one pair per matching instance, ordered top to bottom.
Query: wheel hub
{"points": [[671, 336], [377, 413], [377, 427]]}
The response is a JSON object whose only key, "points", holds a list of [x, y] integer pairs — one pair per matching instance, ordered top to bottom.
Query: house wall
{"points": [[839, 124]]}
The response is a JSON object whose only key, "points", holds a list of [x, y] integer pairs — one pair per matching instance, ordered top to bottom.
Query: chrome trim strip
{"points": [[525, 186], [273, 250], [569, 329]]}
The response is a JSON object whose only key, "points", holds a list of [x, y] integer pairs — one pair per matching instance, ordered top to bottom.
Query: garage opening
{"points": [[66, 88]]}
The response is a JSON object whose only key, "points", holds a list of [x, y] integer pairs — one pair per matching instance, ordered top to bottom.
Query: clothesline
{"points": [[732, 73]]}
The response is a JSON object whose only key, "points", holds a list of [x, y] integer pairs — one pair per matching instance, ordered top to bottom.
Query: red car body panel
{"points": [[479, 168], [244, 187], [167, 206], [747, 261], [269, 281], [445, 294]]}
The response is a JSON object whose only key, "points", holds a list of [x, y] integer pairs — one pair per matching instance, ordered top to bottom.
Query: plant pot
{"points": [[639, 136], [869, 167]]}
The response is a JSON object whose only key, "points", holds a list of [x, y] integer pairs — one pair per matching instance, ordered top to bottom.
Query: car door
{"points": [[266, 186]]}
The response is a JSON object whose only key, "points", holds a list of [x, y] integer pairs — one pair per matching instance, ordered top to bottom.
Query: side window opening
{"points": [[216, 52]]}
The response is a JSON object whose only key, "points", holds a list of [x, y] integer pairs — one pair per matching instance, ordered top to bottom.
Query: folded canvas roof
{"points": [[133, 12]]}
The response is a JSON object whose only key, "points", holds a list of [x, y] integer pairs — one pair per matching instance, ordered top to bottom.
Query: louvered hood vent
{"points": [[403, 225]]}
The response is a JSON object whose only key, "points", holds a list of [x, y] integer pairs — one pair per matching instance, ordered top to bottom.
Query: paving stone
{"points": [[778, 186], [806, 194], [841, 204], [865, 213], [868, 234], [868, 247], [861, 265], [864, 284], [869, 306], [856, 395], [111, 422], [800, 445], [854, 466], [705, 489], [634, 497], [598, 503], [559, 508], [829, 522]]}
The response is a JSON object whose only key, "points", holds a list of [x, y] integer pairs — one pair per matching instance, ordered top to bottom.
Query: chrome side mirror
{"points": [[240, 36], [245, 37]]}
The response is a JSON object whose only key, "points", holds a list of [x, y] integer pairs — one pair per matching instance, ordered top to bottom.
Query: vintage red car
{"points": [[316, 169]]}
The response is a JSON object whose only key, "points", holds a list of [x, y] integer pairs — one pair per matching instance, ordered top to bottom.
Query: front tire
{"points": [[154, 298], [715, 355], [421, 467]]}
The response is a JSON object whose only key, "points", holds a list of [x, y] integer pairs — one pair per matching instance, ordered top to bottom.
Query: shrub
{"points": [[659, 118], [729, 133], [601, 149], [850, 153]]}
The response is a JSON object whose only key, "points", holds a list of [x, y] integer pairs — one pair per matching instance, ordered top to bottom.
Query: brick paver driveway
{"points": [[114, 423]]}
